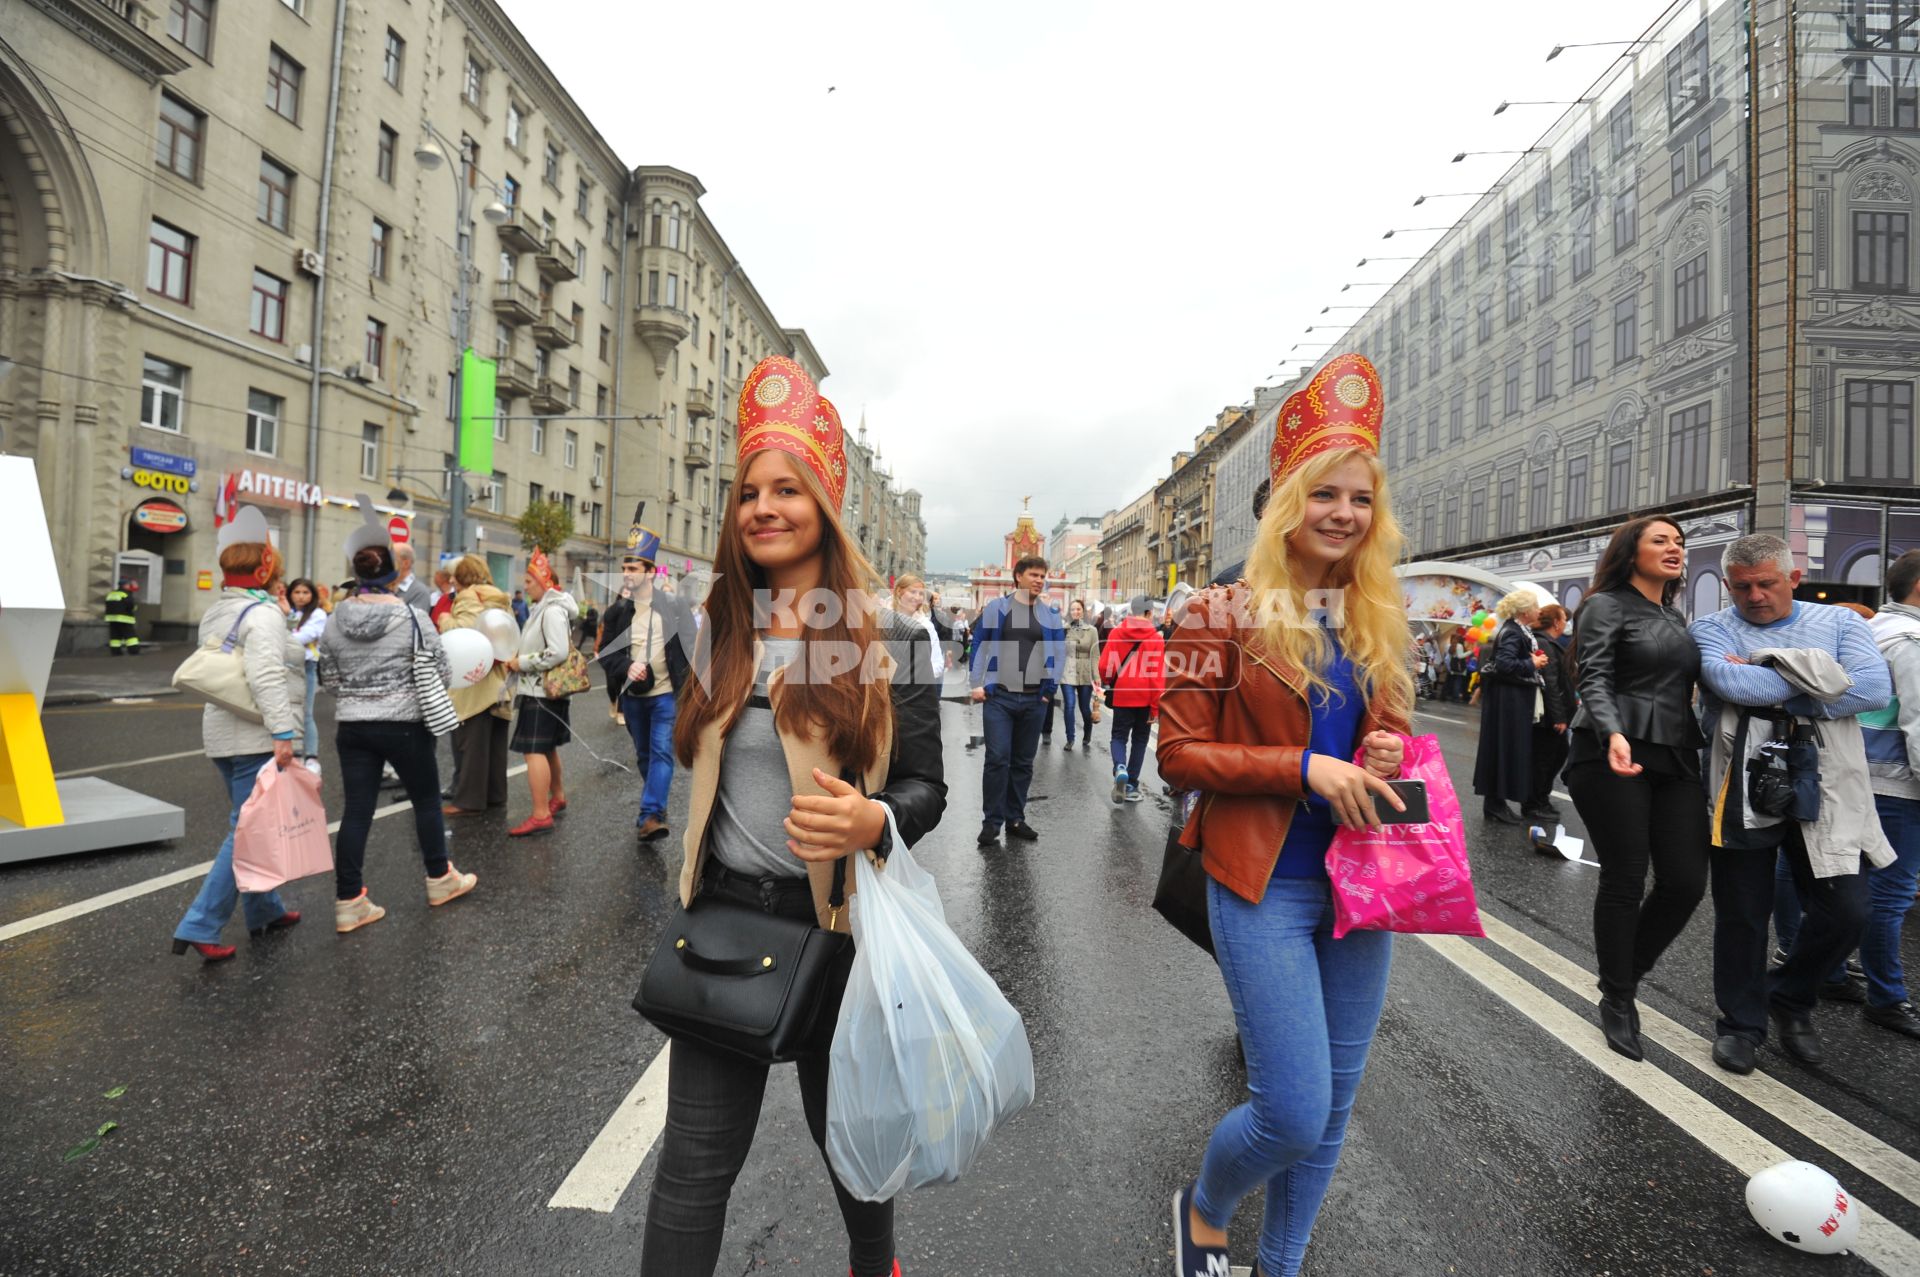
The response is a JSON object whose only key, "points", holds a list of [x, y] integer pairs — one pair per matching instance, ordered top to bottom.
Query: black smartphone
{"points": [[1414, 794]]}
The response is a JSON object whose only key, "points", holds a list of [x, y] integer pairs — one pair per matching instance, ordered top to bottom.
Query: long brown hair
{"points": [[1615, 572], [848, 713]]}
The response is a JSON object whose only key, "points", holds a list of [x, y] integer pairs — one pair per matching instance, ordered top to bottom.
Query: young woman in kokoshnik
{"points": [[1267, 702], [806, 743]]}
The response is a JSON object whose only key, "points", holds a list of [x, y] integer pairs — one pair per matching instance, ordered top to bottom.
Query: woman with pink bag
{"points": [[1265, 703]]}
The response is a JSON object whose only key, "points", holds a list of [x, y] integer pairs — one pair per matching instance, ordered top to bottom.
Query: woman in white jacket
{"points": [[308, 621], [541, 725], [239, 747]]}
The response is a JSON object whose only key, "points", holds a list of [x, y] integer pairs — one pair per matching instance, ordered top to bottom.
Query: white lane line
{"points": [[137, 762], [192, 873], [1874, 1156], [604, 1171], [1884, 1244]]}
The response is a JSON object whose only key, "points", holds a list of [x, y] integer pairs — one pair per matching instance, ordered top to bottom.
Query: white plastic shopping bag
{"points": [[929, 1058]]}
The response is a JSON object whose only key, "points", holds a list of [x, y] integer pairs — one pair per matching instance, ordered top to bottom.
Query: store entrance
{"points": [[1837, 592]]}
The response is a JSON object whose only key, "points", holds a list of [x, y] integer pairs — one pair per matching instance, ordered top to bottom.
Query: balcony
{"points": [[520, 233], [554, 262], [515, 302], [661, 328], [553, 330], [513, 378], [549, 396], [699, 404], [698, 455], [723, 474]]}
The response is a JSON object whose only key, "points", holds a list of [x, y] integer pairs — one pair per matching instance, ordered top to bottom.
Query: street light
{"points": [[1559, 49], [1504, 104], [1531, 150], [1450, 195], [1411, 230], [1364, 260], [1367, 283], [1325, 309]]}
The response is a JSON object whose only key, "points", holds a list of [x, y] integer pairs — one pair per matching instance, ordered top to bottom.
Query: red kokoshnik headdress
{"points": [[781, 408], [1340, 408]]}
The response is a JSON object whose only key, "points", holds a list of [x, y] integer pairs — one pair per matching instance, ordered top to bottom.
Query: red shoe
{"points": [[557, 806], [531, 826], [291, 918], [211, 952]]}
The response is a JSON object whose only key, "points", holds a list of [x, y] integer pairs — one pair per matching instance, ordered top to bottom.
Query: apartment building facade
{"points": [[1127, 563]]}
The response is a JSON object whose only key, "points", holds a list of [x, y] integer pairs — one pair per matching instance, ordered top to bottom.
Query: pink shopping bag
{"points": [[282, 834], [1412, 878]]}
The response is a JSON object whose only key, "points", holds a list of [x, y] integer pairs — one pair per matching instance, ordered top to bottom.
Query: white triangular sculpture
{"points": [[31, 600]]}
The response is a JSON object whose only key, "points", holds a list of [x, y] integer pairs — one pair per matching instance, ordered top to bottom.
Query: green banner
{"points": [[476, 414]]}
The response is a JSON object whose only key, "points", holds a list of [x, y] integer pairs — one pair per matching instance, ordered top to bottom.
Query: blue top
{"points": [[1815, 625], [1336, 729]]}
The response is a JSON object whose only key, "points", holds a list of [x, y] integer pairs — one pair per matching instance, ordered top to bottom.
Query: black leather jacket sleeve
{"points": [[1596, 645], [1637, 670], [916, 786]]}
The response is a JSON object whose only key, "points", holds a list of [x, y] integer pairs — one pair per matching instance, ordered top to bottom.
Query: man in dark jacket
{"points": [[1019, 647], [644, 650], [1550, 733]]}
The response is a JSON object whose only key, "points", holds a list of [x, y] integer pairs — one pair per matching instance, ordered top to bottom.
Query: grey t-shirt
{"points": [[755, 793]]}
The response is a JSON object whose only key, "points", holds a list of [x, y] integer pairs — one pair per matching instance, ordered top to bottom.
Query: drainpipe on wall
{"points": [[619, 353], [310, 520]]}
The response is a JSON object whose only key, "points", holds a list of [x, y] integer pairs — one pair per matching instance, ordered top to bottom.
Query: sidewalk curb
{"points": [[94, 698]]}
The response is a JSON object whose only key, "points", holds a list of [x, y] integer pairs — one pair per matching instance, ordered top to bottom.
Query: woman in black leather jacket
{"points": [[1633, 763]]}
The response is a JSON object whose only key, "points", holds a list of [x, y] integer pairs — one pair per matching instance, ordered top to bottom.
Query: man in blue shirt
{"points": [[1760, 575], [1019, 646]]}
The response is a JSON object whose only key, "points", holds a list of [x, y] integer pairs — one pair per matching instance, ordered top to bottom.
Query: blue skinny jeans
{"points": [[218, 894], [1307, 1006]]}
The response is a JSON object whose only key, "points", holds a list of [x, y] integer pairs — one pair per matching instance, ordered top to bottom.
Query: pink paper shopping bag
{"points": [[282, 834], [1411, 878]]}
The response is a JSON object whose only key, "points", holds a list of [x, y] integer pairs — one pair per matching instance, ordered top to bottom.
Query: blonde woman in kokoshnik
{"points": [[1265, 706], [768, 745]]}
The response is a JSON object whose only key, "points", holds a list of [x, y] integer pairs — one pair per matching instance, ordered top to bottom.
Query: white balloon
{"points": [[501, 631], [469, 656], [1805, 1207]]}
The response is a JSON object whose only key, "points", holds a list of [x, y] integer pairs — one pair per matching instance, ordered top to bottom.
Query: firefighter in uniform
{"points": [[121, 638]]}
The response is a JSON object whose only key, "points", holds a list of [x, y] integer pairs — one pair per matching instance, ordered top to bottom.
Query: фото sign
{"points": [[161, 481]]}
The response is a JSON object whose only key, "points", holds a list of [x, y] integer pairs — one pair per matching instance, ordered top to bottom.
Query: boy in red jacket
{"points": [[1133, 670]]}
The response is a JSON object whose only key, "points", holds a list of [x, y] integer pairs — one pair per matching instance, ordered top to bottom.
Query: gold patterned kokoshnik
{"points": [[1340, 408], [782, 409]]}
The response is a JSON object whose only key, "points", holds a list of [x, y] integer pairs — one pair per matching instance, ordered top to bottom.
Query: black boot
{"points": [[1617, 1023]]}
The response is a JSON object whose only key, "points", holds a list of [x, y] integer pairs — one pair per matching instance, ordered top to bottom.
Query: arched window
{"points": [[653, 223], [673, 226], [1706, 597]]}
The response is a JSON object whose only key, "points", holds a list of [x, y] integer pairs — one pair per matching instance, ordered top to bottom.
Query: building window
{"points": [[191, 23], [396, 58], [1688, 73], [283, 84], [473, 87], [1884, 92], [516, 126], [1620, 129], [183, 132], [388, 144], [1702, 153], [550, 166], [1677, 170], [1580, 172], [510, 192], [1543, 197], [583, 199], [275, 202], [1626, 217], [673, 227], [1510, 228], [607, 231], [1583, 243], [1880, 252], [377, 258], [579, 260], [170, 262], [1459, 268], [606, 286], [653, 288], [673, 289], [1543, 289], [1690, 293], [1434, 300], [1516, 302], [268, 317], [1483, 319], [1626, 330], [1459, 340], [606, 343], [376, 347], [1583, 351], [1433, 356], [1413, 370], [1543, 374], [573, 389], [163, 391], [1510, 391], [599, 402], [1483, 406], [500, 420], [1456, 420], [263, 422], [1433, 429], [1688, 432], [1879, 432], [537, 443], [570, 450], [369, 451], [599, 460], [1577, 467], [1619, 477], [1539, 490], [535, 494], [1509, 504], [1477, 513], [593, 518], [1450, 520], [1427, 538]]}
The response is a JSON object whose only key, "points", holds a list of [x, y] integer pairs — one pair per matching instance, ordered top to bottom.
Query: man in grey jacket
{"points": [[1893, 756]]}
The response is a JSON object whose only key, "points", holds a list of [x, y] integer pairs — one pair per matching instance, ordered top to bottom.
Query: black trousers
{"points": [[409, 748], [1549, 752], [1657, 820], [1834, 918], [713, 1111]]}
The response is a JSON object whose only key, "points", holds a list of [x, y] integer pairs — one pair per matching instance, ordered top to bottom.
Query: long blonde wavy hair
{"points": [[1375, 634]]}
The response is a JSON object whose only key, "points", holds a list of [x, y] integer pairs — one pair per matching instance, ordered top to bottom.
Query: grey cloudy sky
{"points": [[1042, 244]]}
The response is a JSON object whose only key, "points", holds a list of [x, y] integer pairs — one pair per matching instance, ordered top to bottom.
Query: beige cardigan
{"points": [[485, 695], [803, 755]]}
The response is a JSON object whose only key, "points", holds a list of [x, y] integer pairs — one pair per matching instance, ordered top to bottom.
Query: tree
{"points": [[546, 524]]}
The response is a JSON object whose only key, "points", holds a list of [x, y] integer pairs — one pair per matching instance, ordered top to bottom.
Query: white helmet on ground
{"points": [[1805, 1207]]}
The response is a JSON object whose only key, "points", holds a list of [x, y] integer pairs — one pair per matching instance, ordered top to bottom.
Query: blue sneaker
{"points": [[1119, 785], [1190, 1259]]}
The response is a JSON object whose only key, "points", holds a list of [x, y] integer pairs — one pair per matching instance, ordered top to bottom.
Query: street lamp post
{"points": [[429, 156]]}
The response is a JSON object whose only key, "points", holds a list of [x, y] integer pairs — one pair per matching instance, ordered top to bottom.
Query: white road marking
{"points": [[137, 762], [192, 873], [1874, 1156], [604, 1171], [1882, 1243]]}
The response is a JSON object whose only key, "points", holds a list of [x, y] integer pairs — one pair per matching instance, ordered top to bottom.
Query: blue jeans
{"points": [[1077, 699], [650, 722], [1011, 722], [1131, 722], [310, 738], [214, 905], [1307, 1006]]}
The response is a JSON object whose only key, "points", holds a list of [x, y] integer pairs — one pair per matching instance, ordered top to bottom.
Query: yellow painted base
{"points": [[27, 794]]}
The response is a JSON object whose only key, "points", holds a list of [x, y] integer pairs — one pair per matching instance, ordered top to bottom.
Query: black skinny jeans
{"points": [[363, 748], [1656, 819], [713, 1110]]}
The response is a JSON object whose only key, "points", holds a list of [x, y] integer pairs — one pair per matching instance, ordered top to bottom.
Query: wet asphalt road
{"points": [[408, 1098]]}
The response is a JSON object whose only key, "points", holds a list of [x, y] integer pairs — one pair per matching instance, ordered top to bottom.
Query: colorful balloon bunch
{"points": [[1480, 628]]}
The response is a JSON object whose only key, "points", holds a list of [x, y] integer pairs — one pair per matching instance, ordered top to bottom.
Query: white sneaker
{"points": [[311, 764], [450, 885], [351, 915]]}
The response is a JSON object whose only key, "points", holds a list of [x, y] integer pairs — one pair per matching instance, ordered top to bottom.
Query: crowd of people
{"points": [[1764, 749]]}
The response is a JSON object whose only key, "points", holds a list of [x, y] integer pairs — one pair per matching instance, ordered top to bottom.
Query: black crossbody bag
{"points": [[752, 983]]}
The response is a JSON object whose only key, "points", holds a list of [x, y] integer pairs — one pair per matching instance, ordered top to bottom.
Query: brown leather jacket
{"points": [[1233, 725]]}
